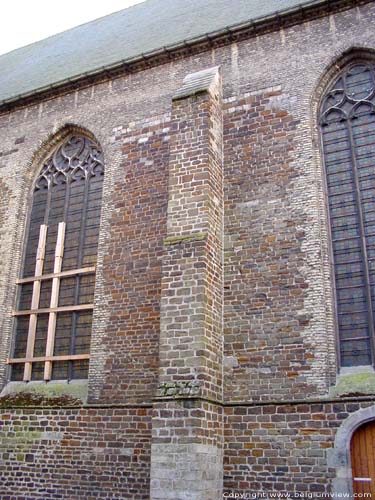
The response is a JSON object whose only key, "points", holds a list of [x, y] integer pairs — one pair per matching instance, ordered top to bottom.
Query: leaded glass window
{"points": [[347, 120], [56, 290]]}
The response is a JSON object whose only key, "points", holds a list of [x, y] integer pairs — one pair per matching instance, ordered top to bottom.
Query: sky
{"points": [[27, 21]]}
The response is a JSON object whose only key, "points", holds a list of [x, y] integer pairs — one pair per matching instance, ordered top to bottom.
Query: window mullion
{"points": [[78, 279]]}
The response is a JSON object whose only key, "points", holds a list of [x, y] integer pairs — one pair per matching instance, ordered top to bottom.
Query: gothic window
{"points": [[347, 120], [56, 291]]}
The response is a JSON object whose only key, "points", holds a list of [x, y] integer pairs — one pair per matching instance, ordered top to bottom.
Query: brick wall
{"points": [[284, 153], [265, 257], [132, 266], [191, 307], [279, 321], [279, 340], [187, 435], [282, 447], [50, 453], [75, 453]]}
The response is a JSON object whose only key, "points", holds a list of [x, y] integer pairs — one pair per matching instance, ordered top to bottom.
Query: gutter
{"points": [[233, 32]]}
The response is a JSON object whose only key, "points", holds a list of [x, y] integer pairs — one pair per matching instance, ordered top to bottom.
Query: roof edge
{"points": [[237, 32]]}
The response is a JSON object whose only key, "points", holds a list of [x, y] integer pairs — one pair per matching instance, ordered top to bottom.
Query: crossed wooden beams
{"points": [[54, 308]]}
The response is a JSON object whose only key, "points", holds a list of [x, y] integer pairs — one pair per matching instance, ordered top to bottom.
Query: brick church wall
{"points": [[279, 321], [279, 345], [283, 447], [75, 453]]}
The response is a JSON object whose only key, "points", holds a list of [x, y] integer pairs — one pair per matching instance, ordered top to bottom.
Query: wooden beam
{"points": [[59, 252], [40, 253], [63, 274], [54, 308], [47, 310], [41, 359]]}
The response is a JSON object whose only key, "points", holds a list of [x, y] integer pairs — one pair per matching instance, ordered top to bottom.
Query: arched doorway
{"points": [[362, 452], [339, 457]]}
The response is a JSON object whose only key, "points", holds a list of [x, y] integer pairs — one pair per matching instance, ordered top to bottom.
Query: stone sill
{"points": [[354, 381], [57, 393]]}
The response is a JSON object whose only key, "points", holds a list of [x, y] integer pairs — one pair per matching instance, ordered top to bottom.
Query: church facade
{"points": [[187, 281]]}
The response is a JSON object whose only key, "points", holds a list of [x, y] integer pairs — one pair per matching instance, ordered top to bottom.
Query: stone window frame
{"points": [[330, 72], [45, 151], [348, 188], [339, 456]]}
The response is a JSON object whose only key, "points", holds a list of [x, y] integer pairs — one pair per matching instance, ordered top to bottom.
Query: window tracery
{"points": [[347, 120], [54, 313]]}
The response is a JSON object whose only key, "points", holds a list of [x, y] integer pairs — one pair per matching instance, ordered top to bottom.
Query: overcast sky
{"points": [[26, 21]]}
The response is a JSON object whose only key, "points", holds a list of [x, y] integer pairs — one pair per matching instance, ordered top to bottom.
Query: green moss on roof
{"points": [[126, 34]]}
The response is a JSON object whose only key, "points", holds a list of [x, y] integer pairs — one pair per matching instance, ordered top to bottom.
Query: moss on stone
{"points": [[182, 238], [354, 384], [42, 394], [25, 399], [20, 438]]}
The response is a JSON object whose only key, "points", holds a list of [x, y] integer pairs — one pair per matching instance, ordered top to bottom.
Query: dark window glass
{"points": [[347, 123], [68, 190]]}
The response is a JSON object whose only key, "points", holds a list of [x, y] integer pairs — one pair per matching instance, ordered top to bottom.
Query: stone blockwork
{"points": [[265, 257], [192, 282], [190, 351], [283, 447], [187, 451], [75, 454]]}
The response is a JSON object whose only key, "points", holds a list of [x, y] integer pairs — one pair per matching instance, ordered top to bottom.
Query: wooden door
{"points": [[363, 459]]}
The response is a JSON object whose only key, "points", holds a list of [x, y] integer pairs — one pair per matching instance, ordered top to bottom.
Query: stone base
{"points": [[186, 472]]}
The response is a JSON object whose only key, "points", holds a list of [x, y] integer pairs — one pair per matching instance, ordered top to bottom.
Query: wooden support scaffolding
{"points": [[62, 274], [54, 300], [35, 301], [47, 310], [52, 311], [42, 359]]}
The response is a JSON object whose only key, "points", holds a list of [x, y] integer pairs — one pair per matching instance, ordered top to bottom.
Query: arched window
{"points": [[347, 120], [56, 291]]}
